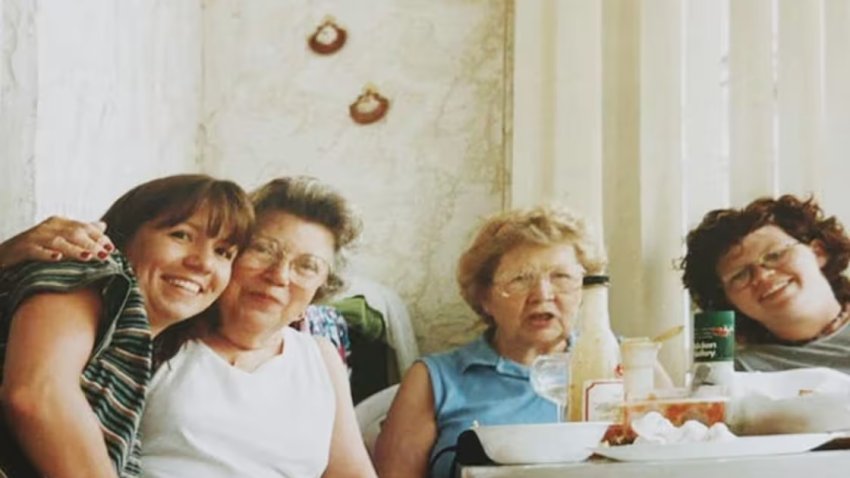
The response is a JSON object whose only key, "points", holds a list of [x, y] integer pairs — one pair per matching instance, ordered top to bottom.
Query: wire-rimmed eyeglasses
{"points": [[306, 270], [741, 278], [560, 280]]}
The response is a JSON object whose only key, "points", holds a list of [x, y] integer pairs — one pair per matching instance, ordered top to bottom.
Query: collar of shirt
{"points": [[480, 353]]}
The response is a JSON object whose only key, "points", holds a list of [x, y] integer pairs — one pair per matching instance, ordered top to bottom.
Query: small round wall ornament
{"points": [[328, 37], [369, 107]]}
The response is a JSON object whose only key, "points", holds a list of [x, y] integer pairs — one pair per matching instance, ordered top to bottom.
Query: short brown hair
{"points": [[173, 199], [312, 200], [543, 225], [721, 229]]}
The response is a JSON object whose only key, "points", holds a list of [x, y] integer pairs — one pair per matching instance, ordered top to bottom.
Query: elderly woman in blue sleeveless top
{"points": [[780, 264], [522, 275]]}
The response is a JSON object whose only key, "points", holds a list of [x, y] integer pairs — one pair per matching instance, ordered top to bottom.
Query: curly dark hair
{"points": [[721, 229]]}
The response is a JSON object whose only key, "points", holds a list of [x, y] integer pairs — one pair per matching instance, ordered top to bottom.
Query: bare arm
{"points": [[57, 238], [50, 340], [406, 438], [348, 457]]}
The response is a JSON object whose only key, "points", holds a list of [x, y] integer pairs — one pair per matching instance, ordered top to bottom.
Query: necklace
{"points": [[834, 324], [831, 327], [278, 347]]}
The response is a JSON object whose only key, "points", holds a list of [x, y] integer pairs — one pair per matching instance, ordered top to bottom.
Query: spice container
{"points": [[714, 349], [639, 356]]}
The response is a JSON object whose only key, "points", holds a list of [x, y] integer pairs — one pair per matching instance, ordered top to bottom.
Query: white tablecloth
{"points": [[815, 464]]}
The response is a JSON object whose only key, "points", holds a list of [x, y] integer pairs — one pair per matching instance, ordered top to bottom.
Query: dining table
{"points": [[826, 463]]}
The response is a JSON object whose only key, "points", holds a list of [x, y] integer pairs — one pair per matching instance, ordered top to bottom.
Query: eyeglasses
{"points": [[306, 270], [743, 277], [560, 280]]}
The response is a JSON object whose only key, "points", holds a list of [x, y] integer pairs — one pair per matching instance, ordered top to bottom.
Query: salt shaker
{"points": [[639, 356]]}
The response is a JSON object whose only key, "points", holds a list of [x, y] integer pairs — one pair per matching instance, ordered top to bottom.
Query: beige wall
{"points": [[99, 96], [95, 97], [421, 177]]}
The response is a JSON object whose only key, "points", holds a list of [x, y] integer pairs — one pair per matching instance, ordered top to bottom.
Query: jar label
{"points": [[714, 336], [602, 400]]}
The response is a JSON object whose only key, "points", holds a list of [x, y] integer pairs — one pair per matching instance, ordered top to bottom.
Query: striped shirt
{"points": [[115, 379]]}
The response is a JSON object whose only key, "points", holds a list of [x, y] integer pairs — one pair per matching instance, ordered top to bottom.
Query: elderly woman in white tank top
{"points": [[239, 393]]}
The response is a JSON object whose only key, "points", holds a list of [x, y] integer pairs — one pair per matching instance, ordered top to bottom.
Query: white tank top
{"points": [[206, 418]]}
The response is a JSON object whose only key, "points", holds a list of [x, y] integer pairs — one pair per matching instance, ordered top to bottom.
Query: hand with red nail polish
{"points": [[56, 238]]}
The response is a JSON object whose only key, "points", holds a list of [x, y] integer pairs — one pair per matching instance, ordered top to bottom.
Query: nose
{"points": [[201, 259], [279, 273], [759, 273], [541, 289]]}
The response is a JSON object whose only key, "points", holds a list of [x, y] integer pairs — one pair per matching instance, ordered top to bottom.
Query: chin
{"points": [[547, 337]]}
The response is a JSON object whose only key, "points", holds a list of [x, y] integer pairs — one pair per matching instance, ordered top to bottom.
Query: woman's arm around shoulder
{"points": [[57, 238], [50, 341], [410, 431], [348, 457]]}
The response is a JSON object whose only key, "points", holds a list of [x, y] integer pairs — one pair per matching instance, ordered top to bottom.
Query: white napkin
{"points": [[805, 400], [653, 428]]}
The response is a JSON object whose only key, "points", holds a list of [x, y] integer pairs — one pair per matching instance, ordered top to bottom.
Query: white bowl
{"points": [[541, 443]]}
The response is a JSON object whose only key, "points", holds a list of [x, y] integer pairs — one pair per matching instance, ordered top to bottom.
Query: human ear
{"points": [[485, 304]]}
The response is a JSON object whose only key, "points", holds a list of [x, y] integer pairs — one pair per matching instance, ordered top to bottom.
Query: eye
{"points": [[181, 234], [261, 246], [227, 251], [773, 257], [308, 265], [562, 275], [564, 278], [740, 278], [520, 282]]}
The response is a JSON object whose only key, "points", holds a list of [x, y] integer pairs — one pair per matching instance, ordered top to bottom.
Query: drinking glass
{"points": [[550, 378]]}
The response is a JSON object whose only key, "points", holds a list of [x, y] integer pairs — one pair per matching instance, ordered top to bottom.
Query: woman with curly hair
{"points": [[779, 264]]}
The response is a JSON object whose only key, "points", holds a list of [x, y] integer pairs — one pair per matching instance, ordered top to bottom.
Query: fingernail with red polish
{"points": [[108, 248], [102, 254], [85, 255]]}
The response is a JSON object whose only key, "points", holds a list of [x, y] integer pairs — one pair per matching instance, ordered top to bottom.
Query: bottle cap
{"points": [[595, 280]]}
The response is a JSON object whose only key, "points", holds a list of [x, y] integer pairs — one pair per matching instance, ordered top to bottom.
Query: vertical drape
{"points": [[704, 105]]}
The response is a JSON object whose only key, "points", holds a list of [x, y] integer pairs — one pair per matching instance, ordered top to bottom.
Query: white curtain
{"points": [[645, 114]]}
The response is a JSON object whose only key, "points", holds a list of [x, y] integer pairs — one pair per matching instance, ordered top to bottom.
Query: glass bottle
{"points": [[596, 390]]}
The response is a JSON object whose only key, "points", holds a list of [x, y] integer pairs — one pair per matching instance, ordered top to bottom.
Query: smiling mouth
{"points": [[187, 285], [774, 290], [266, 297]]}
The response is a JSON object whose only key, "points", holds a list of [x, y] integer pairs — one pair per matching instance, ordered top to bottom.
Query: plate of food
{"points": [[737, 447]]}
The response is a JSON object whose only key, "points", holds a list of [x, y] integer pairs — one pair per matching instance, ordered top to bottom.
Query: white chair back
{"points": [[371, 413]]}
